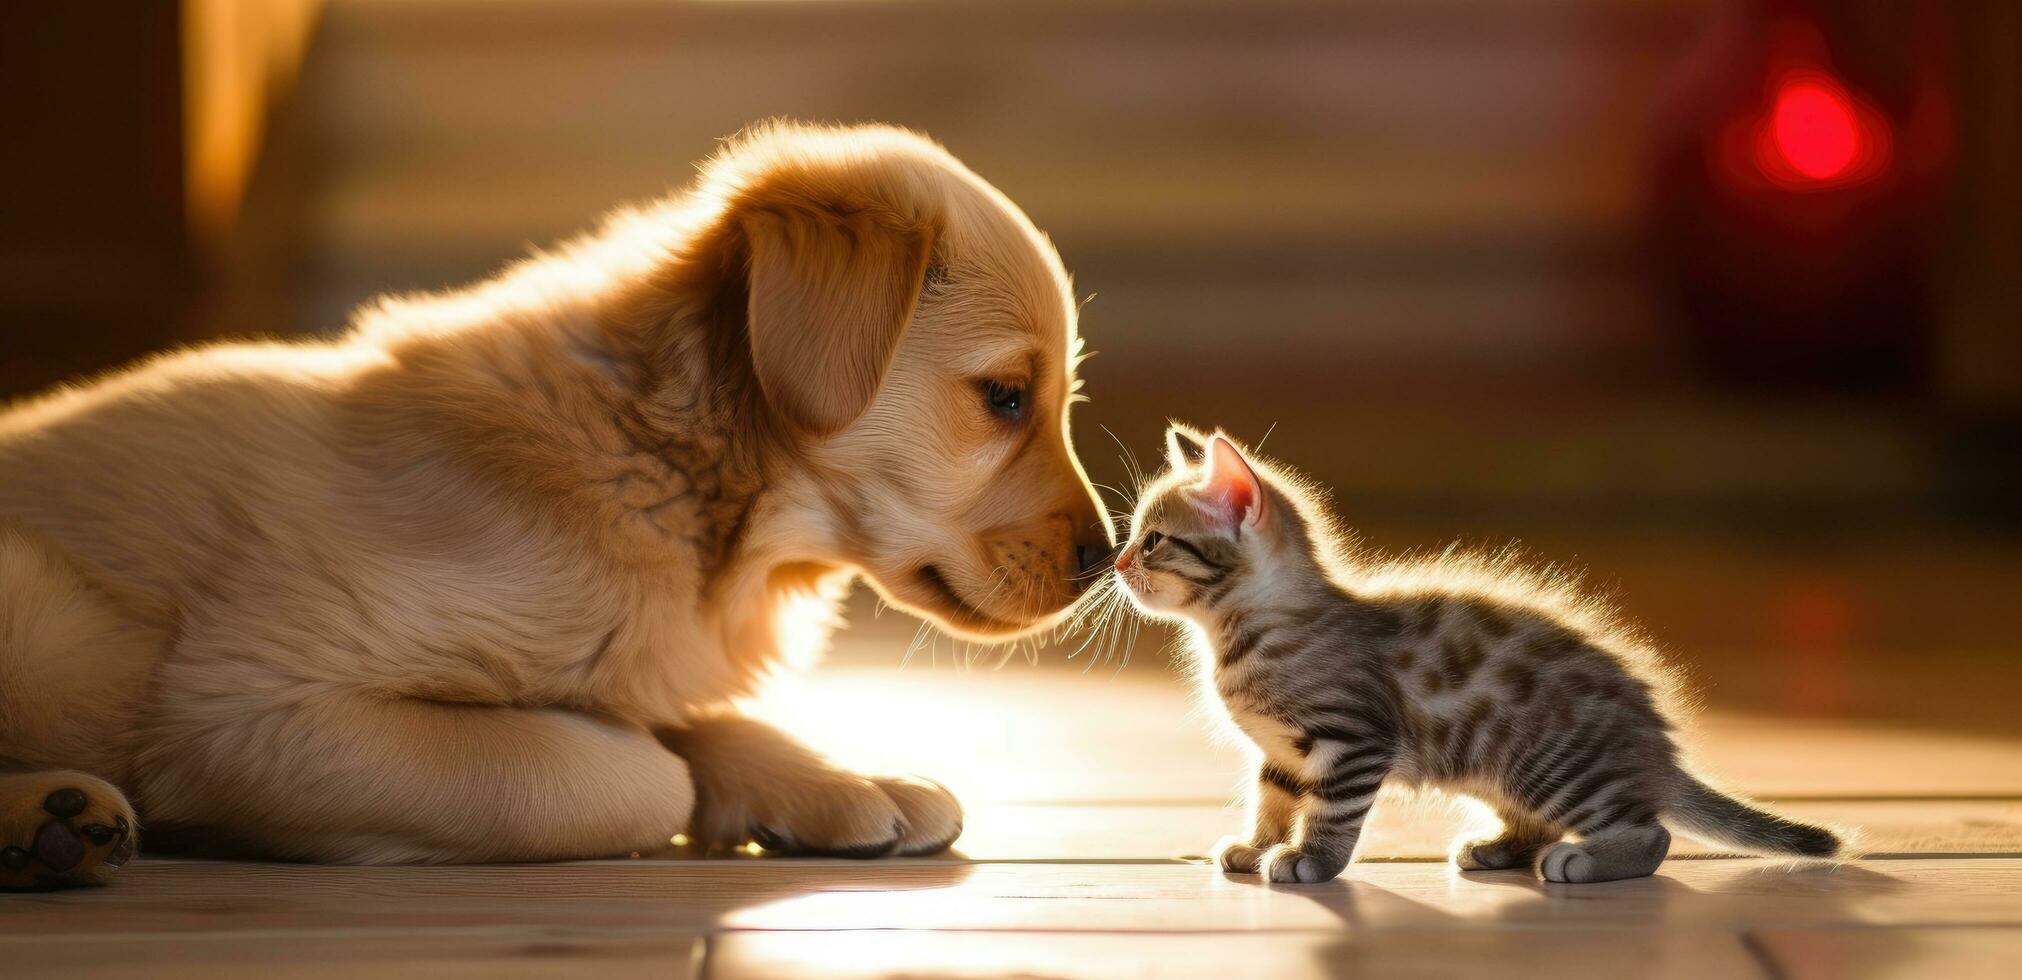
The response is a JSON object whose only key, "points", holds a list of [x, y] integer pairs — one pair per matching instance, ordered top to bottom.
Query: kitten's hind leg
{"points": [[1522, 838], [1621, 851]]}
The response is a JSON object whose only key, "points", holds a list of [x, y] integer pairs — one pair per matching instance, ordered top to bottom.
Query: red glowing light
{"points": [[1815, 129], [1810, 134], [1814, 134]]}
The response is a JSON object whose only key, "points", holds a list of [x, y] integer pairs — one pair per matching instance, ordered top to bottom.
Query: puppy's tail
{"points": [[1706, 812]]}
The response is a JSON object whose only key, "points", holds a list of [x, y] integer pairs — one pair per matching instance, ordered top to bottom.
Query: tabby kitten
{"points": [[1460, 674]]}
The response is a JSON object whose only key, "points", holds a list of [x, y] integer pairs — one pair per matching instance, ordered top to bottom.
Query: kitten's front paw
{"points": [[1497, 854], [1237, 856], [1288, 865]]}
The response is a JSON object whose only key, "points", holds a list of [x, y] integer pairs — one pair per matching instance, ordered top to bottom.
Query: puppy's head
{"points": [[915, 336]]}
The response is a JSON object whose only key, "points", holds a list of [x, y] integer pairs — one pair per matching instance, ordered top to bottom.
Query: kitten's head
{"points": [[1214, 525]]}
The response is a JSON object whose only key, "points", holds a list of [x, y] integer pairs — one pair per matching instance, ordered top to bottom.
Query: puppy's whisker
{"points": [[999, 578], [919, 641]]}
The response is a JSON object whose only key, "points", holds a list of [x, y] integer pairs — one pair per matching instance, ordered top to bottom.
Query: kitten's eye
{"points": [[1007, 401], [1152, 539]]}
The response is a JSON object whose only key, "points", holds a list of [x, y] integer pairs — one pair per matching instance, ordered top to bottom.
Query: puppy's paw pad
{"points": [[66, 802], [63, 836], [57, 846]]}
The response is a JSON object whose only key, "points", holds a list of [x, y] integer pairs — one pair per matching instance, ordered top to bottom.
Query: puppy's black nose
{"points": [[1091, 558]]}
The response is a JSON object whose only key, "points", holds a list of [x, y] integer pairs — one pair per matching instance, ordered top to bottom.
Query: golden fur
{"points": [[440, 589]]}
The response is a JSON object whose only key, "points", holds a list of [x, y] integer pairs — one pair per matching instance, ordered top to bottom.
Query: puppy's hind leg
{"points": [[72, 670], [346, 777]]}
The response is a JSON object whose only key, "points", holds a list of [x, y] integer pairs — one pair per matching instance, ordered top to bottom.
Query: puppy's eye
{"points": [[1005, 400], [1152, 539]]}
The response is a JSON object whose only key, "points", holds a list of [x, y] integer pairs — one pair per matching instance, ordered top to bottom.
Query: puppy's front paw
{"points": [[840, 815], [932, 815], [62, 829], [1237, 856], [1288, 865]]}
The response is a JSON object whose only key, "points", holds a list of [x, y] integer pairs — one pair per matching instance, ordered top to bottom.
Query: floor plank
{"points": [[1408, 828], [1073, 864], [688, 898], [1187, 898], [1340, 953], [1851, 953], [478, 955]]}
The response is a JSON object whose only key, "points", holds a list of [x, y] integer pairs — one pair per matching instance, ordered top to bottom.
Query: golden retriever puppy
{"points": [[476, 580]]}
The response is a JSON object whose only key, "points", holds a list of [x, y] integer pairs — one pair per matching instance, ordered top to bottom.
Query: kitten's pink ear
{"points": [[1232, 491]]}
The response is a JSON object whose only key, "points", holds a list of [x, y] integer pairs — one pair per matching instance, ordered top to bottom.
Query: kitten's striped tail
{"points": [[1707, 812]]}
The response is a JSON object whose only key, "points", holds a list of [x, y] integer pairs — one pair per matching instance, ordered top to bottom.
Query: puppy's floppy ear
{"points": [[831, 292], [1183, 449]]}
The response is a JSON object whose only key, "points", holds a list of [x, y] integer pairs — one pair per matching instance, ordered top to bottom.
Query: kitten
{"points": [[1456, 674]]}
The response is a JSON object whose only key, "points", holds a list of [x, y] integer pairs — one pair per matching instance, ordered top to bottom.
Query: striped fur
{"points": [[1347, 673]]}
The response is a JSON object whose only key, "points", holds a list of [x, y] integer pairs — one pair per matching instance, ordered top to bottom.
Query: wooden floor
{"points": [[1090, 801]]}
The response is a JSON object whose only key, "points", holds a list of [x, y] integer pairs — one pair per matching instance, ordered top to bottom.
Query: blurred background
{"points": [[1715, 298]]}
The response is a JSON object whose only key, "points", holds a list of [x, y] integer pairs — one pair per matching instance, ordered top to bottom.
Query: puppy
{"points": [[476, 580]]}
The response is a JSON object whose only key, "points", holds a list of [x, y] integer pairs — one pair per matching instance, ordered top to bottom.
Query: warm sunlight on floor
{"points": [[1015, 735], [1102, 765], [1089, 798]]}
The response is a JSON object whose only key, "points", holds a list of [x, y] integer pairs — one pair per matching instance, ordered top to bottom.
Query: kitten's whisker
{"points": [[1129, 460], [1085, 610], [1090, 615], [1134, 624], [1112, 629], [1127, 641], [1093, 644]]}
